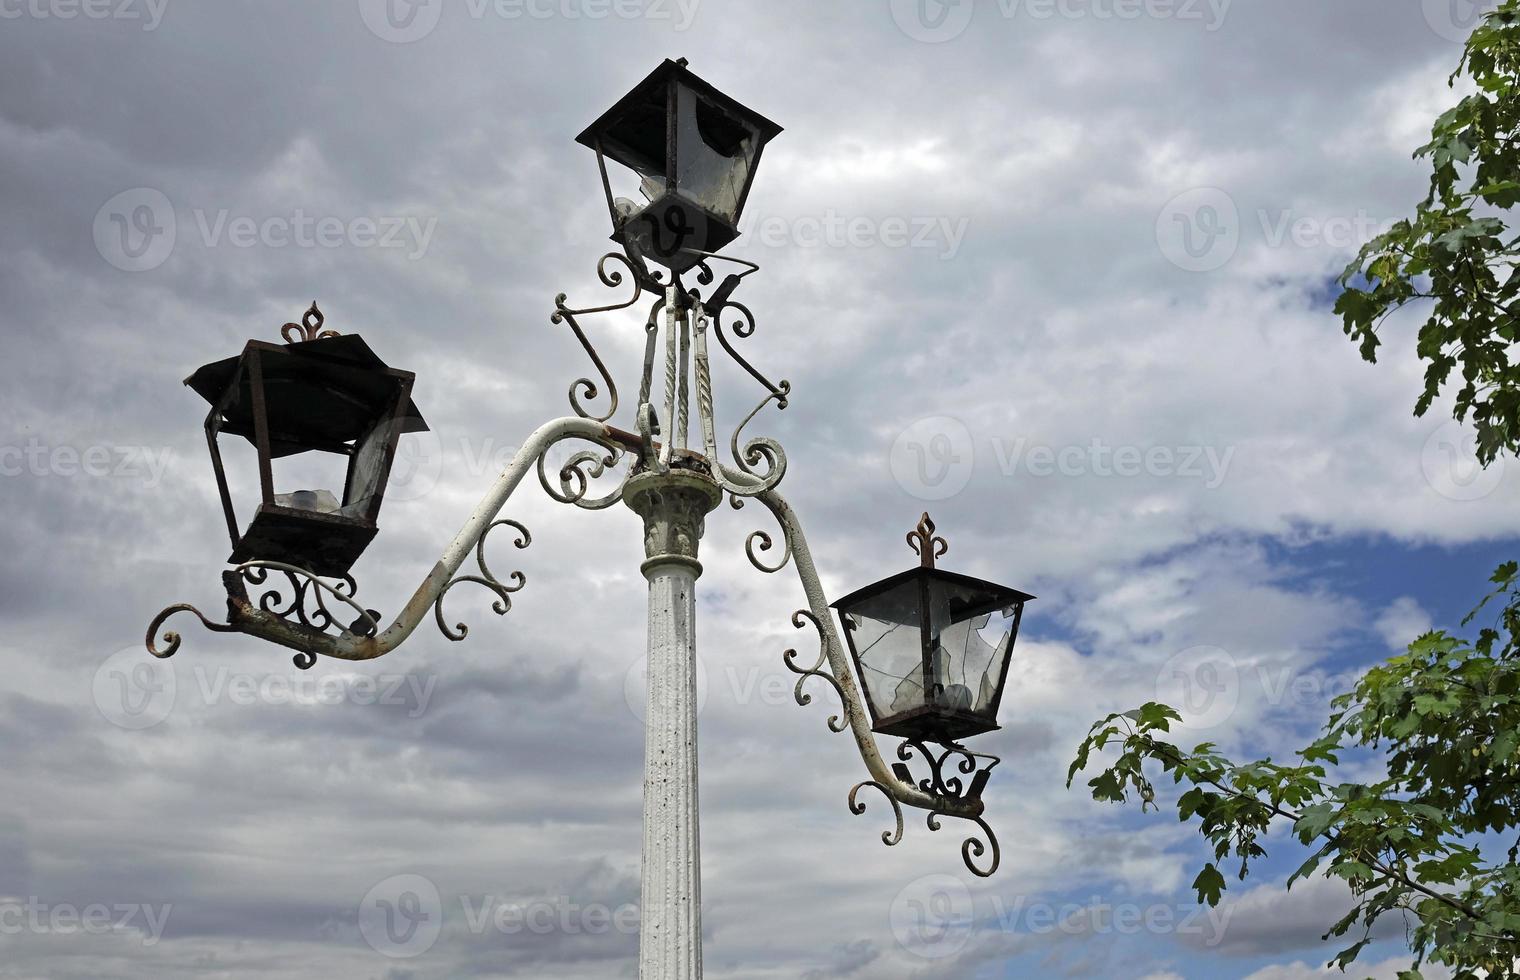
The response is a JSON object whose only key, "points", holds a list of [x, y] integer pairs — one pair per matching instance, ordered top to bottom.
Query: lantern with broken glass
{"points": [[695, 150], [319, 392], [931, 647]]}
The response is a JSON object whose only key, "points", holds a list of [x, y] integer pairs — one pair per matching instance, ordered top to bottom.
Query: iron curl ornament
{"points": [[501, 590]]}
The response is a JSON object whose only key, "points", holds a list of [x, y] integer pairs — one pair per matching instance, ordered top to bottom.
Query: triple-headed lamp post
{"points": [[931, 648]]}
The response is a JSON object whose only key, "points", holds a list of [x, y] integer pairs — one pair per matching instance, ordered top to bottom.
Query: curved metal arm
{"points": [[246, 617], [839, 666], [884, 777]]}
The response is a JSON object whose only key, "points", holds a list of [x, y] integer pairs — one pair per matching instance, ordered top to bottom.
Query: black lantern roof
{"points": [[633, 132], [330, 390], [994, 596]]}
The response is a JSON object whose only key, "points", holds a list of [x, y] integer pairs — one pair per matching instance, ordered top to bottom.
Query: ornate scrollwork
{"points": [[611, 278], [310, 327], [744, 329], [761, 458], [576, 474], [486, 579], [306, 605], [306, 608], [800, 619], [950, 787], [891, 838], [972, 848]]}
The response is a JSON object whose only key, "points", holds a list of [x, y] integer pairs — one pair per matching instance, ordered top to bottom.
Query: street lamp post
{"points": [[932, 648]]}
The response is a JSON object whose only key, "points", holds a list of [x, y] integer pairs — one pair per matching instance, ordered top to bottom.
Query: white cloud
{"points": [[1402, 622]]}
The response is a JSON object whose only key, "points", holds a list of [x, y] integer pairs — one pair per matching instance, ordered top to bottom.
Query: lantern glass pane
{"points": [[715, 151], [369, 460], [887, 634], [968, 660]]}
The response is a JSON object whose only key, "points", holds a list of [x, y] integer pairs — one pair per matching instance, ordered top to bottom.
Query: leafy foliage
{"points": [[1458, 250], [1445, 717]]}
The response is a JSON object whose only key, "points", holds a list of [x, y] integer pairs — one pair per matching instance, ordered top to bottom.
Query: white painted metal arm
{"points": [[246, 617]]}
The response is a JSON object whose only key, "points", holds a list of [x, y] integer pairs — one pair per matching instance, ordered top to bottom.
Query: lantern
{"points": [[695, 150], [320, 392], [931, 647]]}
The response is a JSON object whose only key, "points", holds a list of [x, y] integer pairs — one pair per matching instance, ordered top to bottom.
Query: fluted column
{"points": [[674, 506]]}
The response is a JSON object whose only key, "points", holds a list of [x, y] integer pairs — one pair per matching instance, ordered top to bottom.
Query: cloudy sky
{"points": [[1058, 271]]}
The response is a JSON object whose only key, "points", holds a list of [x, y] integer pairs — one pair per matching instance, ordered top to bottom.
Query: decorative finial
{"points": [[310, 327], [923, 541]]}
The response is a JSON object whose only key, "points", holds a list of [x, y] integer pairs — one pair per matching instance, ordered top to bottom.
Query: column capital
{"points": [[674, 505]]}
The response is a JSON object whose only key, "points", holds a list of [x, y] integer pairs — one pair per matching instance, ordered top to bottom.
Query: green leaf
{"points": [[1209, 884]]}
